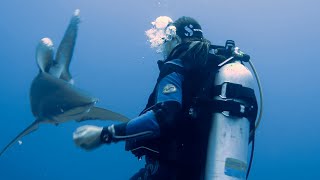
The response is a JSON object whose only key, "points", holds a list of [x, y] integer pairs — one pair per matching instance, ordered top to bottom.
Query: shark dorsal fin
{"points": [[66, 48]]}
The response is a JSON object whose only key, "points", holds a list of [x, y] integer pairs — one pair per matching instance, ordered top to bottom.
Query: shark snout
{"points": [[76, 112]]}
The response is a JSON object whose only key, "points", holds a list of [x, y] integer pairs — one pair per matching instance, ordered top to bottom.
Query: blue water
{"points": [[113, 61]]}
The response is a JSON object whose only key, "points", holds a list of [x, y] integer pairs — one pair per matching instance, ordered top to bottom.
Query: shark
{"points": [[54, 98]]}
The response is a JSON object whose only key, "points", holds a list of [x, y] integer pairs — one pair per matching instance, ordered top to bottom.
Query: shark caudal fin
{"points": [[97, 113], [34, 126]]}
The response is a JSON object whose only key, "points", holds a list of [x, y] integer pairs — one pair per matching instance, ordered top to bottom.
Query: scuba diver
{"points": [[176, 132]]}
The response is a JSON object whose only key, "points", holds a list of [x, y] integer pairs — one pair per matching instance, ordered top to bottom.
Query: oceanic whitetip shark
{"points": [[53, 97]]}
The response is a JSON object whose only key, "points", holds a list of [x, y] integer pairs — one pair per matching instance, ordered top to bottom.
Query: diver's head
{"points": [[188, 29], [166, 34]]}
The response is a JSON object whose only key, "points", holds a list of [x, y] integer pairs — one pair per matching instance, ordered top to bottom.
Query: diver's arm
{"points": [[159, 120]]}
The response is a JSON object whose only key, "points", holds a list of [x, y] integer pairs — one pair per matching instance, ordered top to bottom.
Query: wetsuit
{"points": [[157, 124]]}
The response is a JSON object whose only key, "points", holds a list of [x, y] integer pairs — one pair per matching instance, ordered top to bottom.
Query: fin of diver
{"points": [[65, 49], [97, 113], [34, 126]]}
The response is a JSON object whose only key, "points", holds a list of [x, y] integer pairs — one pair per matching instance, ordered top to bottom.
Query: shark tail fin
{"points": [[28, 130]]}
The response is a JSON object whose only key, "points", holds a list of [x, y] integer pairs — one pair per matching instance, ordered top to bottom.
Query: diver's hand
{"points": [[88, 137]]}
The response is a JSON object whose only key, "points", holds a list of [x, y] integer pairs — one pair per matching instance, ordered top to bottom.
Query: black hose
{"points": [[251, 156]]}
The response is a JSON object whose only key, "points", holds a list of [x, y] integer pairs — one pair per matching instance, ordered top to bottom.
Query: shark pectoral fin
{"points": [[44, 54], [103, 114], [28, 130]]}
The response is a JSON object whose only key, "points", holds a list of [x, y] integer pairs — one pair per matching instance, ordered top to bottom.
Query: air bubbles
{"points": [[161, 3], [157, 34]]}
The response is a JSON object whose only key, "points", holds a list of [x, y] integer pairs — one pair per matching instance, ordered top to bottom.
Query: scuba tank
{"points": [[233, 119]]}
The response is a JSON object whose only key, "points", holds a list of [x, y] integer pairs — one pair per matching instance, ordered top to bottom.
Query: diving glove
{"points": [[88, 137]]}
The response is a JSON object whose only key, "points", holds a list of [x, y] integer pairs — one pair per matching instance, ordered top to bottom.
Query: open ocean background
{"points": [[113, 61]]}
